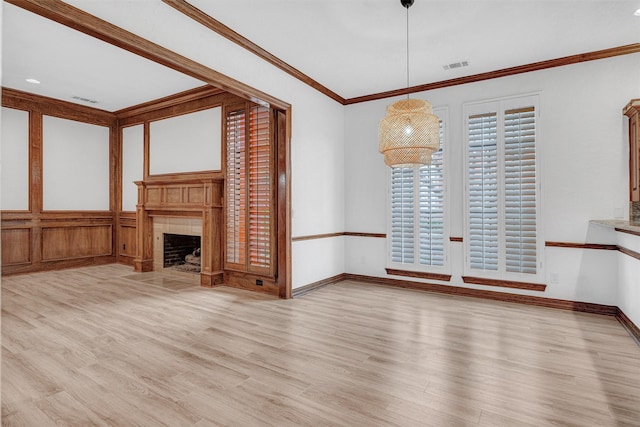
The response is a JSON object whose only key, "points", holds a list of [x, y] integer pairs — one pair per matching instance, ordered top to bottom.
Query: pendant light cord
{"points": [[407, 52]]}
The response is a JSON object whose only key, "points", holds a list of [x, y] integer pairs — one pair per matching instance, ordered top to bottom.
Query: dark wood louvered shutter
{"points": [[250, 194]]}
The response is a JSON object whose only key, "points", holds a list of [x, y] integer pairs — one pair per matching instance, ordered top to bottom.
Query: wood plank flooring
{"points": [[105, 346]]}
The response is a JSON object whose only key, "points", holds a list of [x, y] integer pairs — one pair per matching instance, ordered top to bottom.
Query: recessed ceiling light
{"points": [[637, 12], [34, 81]]}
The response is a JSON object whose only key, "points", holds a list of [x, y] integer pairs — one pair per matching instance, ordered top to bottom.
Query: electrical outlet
{"points": [[124, 246], [555, 278], [258, 282]]}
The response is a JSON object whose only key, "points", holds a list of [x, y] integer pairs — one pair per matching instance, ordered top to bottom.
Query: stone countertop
{"points": [[631, 227]]}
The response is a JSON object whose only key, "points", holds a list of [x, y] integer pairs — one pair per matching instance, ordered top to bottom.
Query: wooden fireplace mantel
{"points": [[195, 196]]}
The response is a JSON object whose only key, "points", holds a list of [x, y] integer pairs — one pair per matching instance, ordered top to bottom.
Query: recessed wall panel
{"points": [[186, 143], [14, 156], [75, 165], [132, 165]]}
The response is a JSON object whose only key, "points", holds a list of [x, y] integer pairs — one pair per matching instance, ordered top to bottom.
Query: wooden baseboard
{"points": [[126, 260], [10, 270], [419, 274], [211, 279], [505, 283], [298, 292], [586, 307], [631, 327]]}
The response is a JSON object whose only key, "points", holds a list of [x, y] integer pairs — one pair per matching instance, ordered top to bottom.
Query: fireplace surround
{"points": [[180, 204]]}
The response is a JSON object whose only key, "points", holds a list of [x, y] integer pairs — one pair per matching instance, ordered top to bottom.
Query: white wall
{"points": [[187, 143], [14, 156], [583, 156], [75, 165], [132, 165], [628, 278]]}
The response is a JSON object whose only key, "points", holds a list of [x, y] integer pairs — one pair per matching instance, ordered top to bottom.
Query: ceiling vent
{"points": [[455, 65], [79, 98]]}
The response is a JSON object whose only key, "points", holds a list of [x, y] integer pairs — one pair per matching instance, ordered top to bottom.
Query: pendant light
{"points": [[410, 132]]}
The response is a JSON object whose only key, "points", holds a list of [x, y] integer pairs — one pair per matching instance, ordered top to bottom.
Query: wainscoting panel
{"points": [[127, 240], [76, 242], [16, 246]]}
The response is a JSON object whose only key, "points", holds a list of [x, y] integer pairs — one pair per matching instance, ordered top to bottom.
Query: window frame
{"points": [[499, 106], [416, 266]]}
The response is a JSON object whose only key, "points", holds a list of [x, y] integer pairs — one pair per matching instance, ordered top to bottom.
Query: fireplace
{"points": [[189, 204], [175, 240], [181, 252]]}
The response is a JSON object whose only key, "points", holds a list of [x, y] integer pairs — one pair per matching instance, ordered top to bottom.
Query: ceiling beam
{"points": [[86, 23], [213, 24]]}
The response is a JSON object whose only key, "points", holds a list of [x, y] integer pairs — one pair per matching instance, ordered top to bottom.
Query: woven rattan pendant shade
{"points": [[409, 133]]}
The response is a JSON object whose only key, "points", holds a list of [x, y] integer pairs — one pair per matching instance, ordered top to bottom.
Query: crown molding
{"points": [[504, 72]]}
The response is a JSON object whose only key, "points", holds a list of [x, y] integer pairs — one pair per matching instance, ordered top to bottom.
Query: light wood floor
{"points": [[105, 346]]}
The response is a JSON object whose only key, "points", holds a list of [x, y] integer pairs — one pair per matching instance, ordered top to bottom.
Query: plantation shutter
{"points": [[236, 186], [260, 188], [249, 190], [520, 190], [483, 191], [431, 197], [417, 213], [402, 215]]}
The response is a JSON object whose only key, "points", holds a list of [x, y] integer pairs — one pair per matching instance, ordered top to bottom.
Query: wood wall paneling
{"points": [[57, 239], [127, 240], [80, 241], [16, 246], [249, 281]]}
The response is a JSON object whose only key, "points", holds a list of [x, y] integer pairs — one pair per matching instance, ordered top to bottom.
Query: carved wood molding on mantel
{"points": [[194, 195]]}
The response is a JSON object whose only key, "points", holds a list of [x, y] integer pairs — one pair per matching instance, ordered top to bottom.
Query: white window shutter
{"points": [[502, 189], [520, 190], [483, 191], [402, 215], [431, 217], [417, 219]]}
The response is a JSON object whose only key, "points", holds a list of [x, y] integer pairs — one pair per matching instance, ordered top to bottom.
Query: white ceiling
{"points": [[353, 47]]}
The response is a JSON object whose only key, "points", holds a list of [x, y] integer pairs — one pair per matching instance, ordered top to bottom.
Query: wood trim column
{"points": [[146, 147], [35, 184], [115, 187], [283, 202], [144, 234], [211, 241]]}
